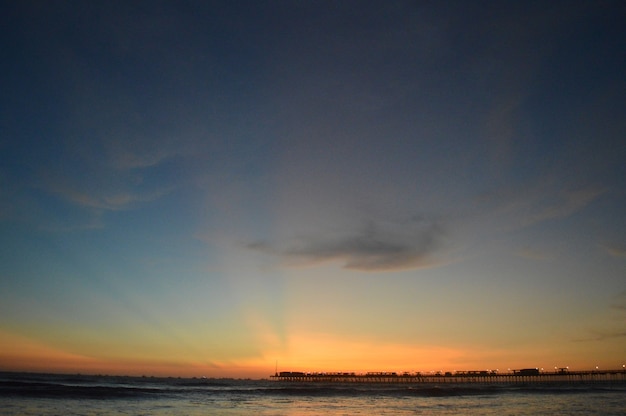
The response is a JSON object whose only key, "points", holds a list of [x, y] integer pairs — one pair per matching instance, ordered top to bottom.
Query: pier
{"points": [[526, 376]]}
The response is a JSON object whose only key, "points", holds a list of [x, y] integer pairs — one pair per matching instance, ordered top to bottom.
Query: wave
{"points": [[51, 390]]}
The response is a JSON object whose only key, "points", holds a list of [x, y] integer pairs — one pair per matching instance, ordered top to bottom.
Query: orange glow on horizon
{"points": [[308, 352], [324, 352]]}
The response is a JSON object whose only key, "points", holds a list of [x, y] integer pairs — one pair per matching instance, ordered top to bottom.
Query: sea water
{"points": [[40, 394]]}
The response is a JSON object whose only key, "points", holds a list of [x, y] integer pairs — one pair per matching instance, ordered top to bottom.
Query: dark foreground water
{"points": [[39, 394]]}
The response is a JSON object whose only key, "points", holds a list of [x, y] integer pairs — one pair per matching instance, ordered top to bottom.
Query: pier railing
{"points": [[618, 376]]}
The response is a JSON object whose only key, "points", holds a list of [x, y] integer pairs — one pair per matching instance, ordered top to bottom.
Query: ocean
{"points": [[53, 394]]}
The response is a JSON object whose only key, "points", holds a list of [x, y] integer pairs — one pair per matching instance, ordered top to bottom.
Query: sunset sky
{"points": [[203, 188]]}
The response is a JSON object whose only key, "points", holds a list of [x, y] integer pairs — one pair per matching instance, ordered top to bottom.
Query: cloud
{"points": [[141, 159], [109, 175], [115, 201], [564, 203], [528, 205], [377, 246], [615, 250], [533, 254], [619, 302], [615, 330], [603, 335]]}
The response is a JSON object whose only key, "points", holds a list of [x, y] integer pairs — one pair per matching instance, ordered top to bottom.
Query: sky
{"points": [[223, 189]]}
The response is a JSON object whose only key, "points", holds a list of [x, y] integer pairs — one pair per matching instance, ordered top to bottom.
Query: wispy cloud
{"points": [[134, 159], [109, 174], [114, 201], [563, 203], [525, 206], [376, 246], [615, 250], [533, 254], [619, 302], [614, 330], [603, 335]]}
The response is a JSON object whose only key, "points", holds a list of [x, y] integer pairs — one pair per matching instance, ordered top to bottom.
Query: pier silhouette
{"points": [[524, 376]]}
